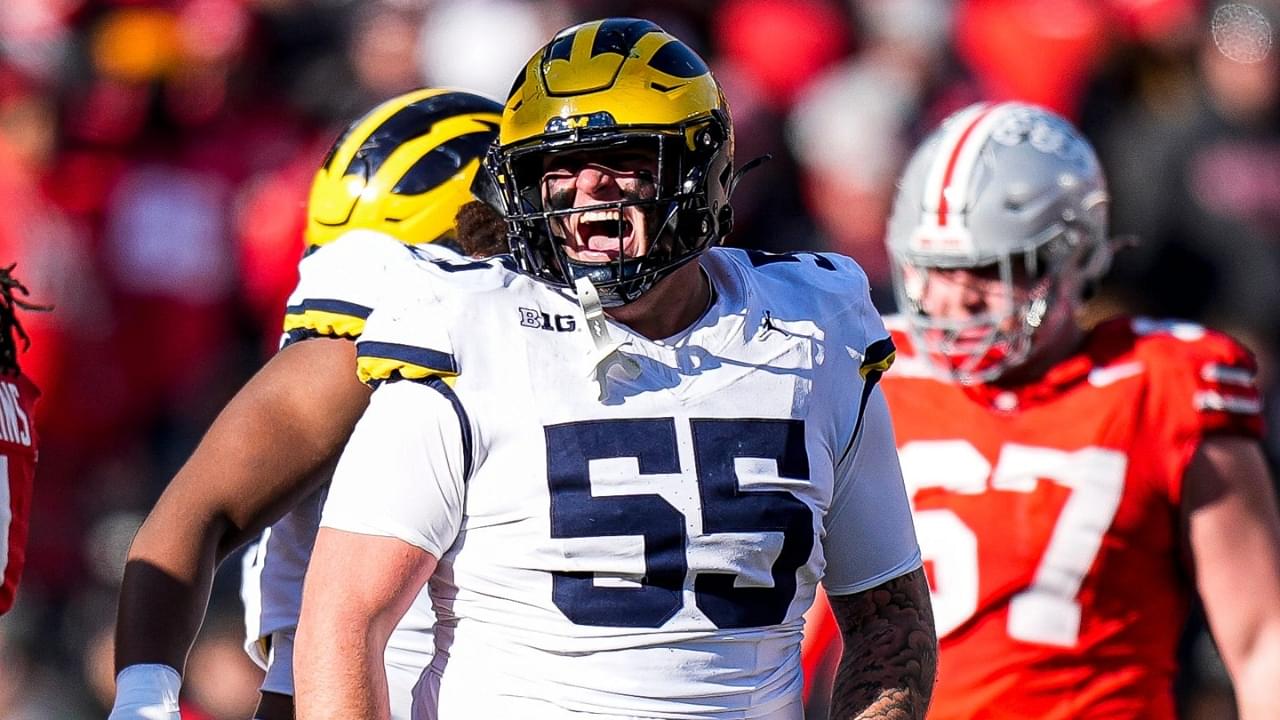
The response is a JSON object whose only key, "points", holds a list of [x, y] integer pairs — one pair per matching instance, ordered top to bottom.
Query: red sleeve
{"points": [[1202, 386], [1227, 399], [18, 463]]}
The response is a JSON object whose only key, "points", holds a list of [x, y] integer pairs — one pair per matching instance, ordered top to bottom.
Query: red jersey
{"points": [[17, 468], [1048, 517]]}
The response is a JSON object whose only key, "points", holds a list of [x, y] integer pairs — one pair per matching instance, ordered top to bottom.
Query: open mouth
{"points": [[603, 235]]}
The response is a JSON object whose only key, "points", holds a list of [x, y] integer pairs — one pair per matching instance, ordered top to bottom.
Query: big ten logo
{"points": [[531, 318]]}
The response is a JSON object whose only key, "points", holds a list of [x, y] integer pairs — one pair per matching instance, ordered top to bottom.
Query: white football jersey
{"points": [[339, 285], [645, 548]]}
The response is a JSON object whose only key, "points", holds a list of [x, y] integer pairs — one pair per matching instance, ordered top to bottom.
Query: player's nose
{"points": [[596, 181], [952, 295]]}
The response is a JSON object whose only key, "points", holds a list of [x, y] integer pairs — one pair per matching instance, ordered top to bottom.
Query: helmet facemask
{"points": [[669, 203], [1042, 286]]}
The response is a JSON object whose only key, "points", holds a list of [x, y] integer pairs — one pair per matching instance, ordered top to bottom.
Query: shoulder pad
{"points": [[339, 284], [821, 284], [406, 339], [1218, 374]]}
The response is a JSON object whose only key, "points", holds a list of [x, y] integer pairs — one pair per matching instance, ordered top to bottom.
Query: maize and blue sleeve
{"points": [[339, 284], [403, 471], [870, 537]]}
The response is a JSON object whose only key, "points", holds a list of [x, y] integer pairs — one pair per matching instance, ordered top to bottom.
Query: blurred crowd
{"points": [[155, 157]]}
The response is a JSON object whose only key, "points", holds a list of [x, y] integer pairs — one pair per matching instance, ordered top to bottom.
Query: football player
{"points": [[390, 185], [18, 441], [625, 467], [1072, 489]]}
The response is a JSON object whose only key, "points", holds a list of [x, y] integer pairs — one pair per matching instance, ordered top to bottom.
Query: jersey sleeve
{"points": [[339, 285], [406, 339], [1202, 384], [1226, 398], [404, 469], [403, 472], [870, 538]]}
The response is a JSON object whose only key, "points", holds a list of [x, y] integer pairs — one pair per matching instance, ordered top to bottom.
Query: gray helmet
{"points": [[1011, 186]]}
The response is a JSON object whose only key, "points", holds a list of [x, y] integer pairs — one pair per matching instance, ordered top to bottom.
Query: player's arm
{"points": [[259, 457], [394, 506], [1232, 528], [875, 585], [349, 610], [890, 651]]}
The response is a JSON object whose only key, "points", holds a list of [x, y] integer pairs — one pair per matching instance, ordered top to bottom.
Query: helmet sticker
{"points": [[1043, 132], [945, 239]]}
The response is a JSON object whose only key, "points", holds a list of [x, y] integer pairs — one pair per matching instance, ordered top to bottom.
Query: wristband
{"points": [[147, 692]]}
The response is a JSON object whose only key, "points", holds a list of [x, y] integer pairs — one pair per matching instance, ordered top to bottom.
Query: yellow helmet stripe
{"points": [[417, 119], [344, 150]]}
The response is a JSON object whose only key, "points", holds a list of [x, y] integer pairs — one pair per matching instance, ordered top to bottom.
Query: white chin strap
{"points": [[607, 353]]}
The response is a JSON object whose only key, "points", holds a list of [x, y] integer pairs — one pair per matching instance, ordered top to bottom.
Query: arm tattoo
{"points": [[890, 651]]}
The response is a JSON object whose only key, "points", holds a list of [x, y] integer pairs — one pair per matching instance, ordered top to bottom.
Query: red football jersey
{"points": [[17, 468], [1048, 518]]}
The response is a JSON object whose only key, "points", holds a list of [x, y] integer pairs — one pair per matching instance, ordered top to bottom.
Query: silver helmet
{"points": [[1014, 189]]}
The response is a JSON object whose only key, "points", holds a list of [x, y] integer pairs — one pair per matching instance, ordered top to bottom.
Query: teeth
{"points": [[601, 216]]}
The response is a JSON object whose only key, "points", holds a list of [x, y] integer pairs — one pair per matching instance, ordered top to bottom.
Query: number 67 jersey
{"points": [[1049, 518], [633, 533]]}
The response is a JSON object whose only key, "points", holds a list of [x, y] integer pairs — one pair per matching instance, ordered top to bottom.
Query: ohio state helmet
{"points": [[1011, 186]]}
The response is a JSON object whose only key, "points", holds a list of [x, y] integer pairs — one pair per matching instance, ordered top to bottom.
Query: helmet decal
{"points": [[677, 60], [411, 122], [443, 162], [953, 164], [405, 168]]}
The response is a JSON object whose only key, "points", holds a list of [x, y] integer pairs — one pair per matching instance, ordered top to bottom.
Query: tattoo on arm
{"points": [[890, 651]]}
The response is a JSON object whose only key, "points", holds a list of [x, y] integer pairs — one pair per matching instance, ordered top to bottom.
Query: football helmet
{"points": [[620, 84], [403, 169], [1014, 189]]}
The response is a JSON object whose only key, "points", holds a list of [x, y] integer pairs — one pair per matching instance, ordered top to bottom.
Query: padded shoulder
{"points": [[827, 274], [339, 284], [827, 289], [409, 335], [406, 338], [1203, 371]]}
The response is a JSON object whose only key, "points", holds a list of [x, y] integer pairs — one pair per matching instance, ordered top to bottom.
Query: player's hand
{"points": [[147, 692]]}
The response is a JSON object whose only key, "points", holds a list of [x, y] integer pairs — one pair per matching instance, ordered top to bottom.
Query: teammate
{"points": [[397, 175], [18, 441], [625, 467], [1071, 489]]}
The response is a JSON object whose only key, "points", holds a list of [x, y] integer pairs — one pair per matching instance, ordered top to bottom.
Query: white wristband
{"points": [[147, 692]]}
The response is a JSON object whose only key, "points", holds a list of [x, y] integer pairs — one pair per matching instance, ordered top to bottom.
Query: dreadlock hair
{"points": [[10, 328]]}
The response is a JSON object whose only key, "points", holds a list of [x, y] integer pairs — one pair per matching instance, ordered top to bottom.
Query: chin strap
{"points": [[748, 167], [608, 353]]}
